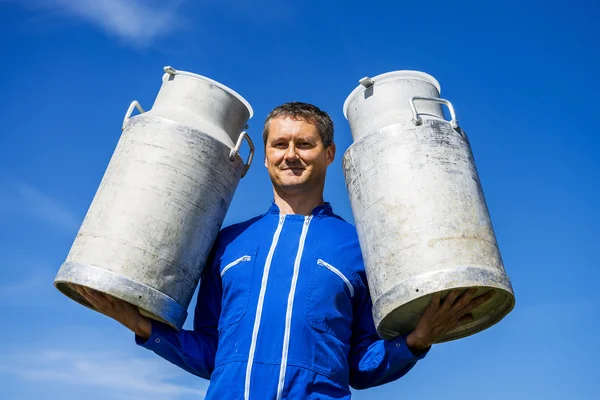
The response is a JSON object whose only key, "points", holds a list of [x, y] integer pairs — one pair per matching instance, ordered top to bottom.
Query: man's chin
{"points": [[292, 185]]}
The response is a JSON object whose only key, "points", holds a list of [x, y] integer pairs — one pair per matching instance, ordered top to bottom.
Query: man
{"points": [[284, 309]]}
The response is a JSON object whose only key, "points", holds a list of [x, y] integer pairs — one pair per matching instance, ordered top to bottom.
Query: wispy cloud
{"points": [[137, 22], [21, 198], [46, 208], [27, 283], [26, 286], [119, 376]]}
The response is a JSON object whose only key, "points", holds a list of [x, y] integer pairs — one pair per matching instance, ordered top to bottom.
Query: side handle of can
{"points": [[134, 104], [417, 118], [236, 150]]}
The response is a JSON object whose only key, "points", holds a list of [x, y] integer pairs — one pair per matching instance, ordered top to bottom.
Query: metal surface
{"points": [[163, 199], [420, 212]]}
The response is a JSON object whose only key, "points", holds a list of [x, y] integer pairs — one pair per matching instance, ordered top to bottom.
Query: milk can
{"points": [[163, 198], [421, 216]]}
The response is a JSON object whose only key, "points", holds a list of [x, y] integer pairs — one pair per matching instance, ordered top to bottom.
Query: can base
{"points": [[151, 302], [403, 306]]}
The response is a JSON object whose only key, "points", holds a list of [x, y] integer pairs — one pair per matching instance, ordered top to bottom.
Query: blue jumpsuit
{"points": [[284, 312]]}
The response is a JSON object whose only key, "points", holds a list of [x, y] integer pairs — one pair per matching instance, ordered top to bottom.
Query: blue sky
{"points": [[521, 75]]}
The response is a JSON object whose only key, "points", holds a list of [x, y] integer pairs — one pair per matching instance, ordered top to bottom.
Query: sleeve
{"points": [[193, 350], [374, 361]]}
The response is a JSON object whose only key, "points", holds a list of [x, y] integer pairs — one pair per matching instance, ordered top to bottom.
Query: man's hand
{"points": [[120, 310], [439, 319]]}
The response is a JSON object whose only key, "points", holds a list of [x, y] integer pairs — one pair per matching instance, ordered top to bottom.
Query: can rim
{"points": [[388, 76], [218, 84]]}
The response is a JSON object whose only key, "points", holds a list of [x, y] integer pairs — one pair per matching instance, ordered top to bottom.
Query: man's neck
{"points": [[300, 203]]}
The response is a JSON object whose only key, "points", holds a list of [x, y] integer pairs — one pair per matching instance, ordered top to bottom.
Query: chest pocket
{"points": [[236, 278], [329, 297]]}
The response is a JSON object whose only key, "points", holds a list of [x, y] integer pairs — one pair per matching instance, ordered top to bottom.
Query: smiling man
{"points": [[284, 309]]}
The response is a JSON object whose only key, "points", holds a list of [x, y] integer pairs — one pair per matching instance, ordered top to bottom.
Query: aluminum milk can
{"points": [[163, 198], [420, 212]]}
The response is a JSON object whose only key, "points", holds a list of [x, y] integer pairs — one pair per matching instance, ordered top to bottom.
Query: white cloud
{"points": [[133, 20], [137, 22], [21, 198], [29, 282], [27, 286], [116, 374]]}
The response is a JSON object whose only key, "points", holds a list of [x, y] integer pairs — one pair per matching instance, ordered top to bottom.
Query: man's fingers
{"points": [[76, 288], [82, 292], [91, 293], [97, 295], [92, 297], [97, 299], [464, 299], [449, 300], [435, 302], [476, 302], [105, 304], [465, 319]]}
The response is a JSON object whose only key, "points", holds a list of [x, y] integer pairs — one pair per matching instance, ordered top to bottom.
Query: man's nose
{"points": [[291, 154]]}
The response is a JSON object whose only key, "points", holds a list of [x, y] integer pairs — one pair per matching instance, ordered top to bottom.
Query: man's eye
{"points": [[280, 145], [304, 145]]}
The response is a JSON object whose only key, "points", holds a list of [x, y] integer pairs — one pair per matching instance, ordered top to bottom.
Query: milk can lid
{"points": [[172, 71], [389, 76]]}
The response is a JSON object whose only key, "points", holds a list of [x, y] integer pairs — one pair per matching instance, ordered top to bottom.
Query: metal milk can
{"points": [[163, 198], [421, 216]]}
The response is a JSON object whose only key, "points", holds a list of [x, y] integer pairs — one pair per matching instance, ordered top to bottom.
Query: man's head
{"points": [[298, 139]]}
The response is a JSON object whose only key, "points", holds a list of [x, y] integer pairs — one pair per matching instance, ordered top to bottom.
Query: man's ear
{"points": [[330, 153], [266, 166]]}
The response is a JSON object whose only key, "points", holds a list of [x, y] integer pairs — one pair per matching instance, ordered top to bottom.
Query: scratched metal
{"points": [[160, 204], [420, 212]]}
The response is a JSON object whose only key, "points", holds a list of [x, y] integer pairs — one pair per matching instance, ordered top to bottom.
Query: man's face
{"points": [[296, 157]]}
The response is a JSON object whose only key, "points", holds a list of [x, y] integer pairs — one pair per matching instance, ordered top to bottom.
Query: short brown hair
{"points": [[303, 112]]}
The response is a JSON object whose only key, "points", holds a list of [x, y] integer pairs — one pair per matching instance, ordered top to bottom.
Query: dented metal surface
{"points": [[163, 199], [419, 208]]}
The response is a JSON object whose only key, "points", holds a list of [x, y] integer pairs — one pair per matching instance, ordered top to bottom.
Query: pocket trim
{"points": [[234, 263], [338, 273]]}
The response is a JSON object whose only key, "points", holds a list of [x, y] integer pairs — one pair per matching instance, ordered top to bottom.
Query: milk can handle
{"points": [[130, 110], [417, 119], [236, 150]]}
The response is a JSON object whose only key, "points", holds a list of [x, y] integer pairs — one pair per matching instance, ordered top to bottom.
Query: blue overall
{"points": [[284, 312]]}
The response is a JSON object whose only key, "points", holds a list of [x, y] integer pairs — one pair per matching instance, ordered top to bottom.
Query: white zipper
{"points": [[234, 263], [338, 273], [290, 306], [259, 307]]}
